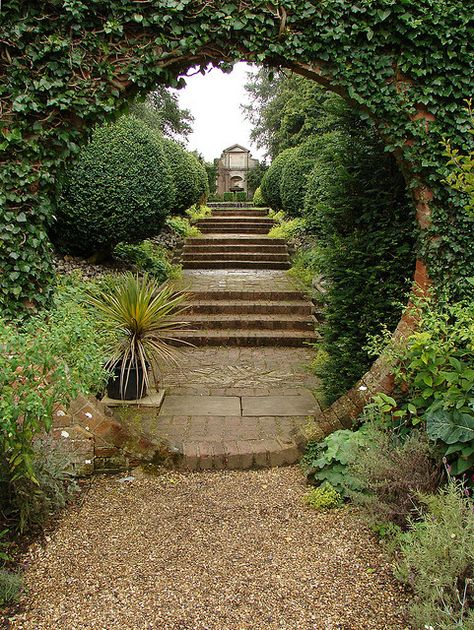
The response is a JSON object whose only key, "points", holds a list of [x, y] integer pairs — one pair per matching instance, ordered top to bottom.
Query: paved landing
{"points": [[232, 407]]}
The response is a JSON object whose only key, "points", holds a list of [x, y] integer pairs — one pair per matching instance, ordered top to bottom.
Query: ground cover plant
{"points": [[148, 257], [49, 361], [413, 476]]}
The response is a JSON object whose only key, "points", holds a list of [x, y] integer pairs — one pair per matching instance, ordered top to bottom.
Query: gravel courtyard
{"points": [[216, 551]]}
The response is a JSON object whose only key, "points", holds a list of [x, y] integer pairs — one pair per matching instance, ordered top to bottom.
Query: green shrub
{"points": [[184, 172], [294, 176], [202, 183], [270, 185], [119, 189], [229, 196], [241, 196], [258, 200], [358, 209], [197, 212], [183, 227], [287, 229], [146, 257], [304, 266], [50, 361], [435, 371], [327, 461], [391, 473], [54, 485], [325, 497], [437, 561], [10, 586]]}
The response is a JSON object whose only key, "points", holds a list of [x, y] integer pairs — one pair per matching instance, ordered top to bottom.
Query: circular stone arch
{"points": [[67, 65]]}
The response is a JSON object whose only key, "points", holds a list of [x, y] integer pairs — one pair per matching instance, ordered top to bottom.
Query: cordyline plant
{"points": [[140, 321]]}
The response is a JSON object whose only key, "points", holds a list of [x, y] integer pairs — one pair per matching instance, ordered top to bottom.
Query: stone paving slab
{"points": [[201, 405], [278, 405]]}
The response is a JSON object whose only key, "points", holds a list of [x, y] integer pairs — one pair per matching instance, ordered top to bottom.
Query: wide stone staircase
{"points": [[266, 309]]}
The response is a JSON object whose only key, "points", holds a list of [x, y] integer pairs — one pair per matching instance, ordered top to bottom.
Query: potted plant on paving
{"points": [[139, 321]]}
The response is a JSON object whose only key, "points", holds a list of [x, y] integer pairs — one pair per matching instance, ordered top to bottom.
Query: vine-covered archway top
{"points": [[69, 64]]}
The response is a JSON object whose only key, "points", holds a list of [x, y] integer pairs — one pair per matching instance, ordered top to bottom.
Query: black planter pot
{"points": [[134, 388]]}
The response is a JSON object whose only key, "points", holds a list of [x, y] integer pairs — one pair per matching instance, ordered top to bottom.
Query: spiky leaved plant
{"points": [[139, 320]]}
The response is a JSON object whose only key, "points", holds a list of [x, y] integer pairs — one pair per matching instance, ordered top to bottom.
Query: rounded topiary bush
{"points": [[294, 175], [270, 186], [118, 189]]}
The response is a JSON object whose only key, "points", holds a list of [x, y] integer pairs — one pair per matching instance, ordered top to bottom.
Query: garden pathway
{"points": [[242, 396], [228, 550]]}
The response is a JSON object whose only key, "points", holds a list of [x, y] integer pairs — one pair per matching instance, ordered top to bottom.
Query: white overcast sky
{"points": [[214, 100]]}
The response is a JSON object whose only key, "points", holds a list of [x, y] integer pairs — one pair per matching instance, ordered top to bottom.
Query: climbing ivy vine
{"points": [[66, 65]]}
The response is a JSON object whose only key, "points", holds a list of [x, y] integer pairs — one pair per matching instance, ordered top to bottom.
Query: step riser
{"points": [[240, 213], [235, 224], [228, 230], [266, 242], [234, 249], [247, 257], [233, 264], [245, 296], [249, 309], [251, 324], [243, 341]]}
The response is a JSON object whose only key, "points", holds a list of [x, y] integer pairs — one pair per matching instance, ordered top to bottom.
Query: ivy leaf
{"points": [[383, 15], [370, 34]]}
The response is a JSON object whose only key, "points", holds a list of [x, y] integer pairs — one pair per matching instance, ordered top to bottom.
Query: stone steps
{"points": [[243, 212], [235, 220], [234, 230], [234, 240], [234, 248], [211, 255], [235, 264], [246, 296], [233, 307], [243, 318], [247, 321], [243, 337]]}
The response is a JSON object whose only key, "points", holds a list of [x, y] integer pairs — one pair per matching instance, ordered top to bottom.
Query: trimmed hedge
{"points": [[185, 176], [294, 176], [201, 181], [270, 186], [119, 189], [358, 207]]}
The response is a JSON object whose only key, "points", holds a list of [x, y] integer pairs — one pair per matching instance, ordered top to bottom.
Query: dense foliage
{"points": [[67, 66], [286, 109], [161, 112], [295, 173], [187, 174], [271, 181], [119, 188], [358, 208], [49, 362], [435, 374], [436, 559]]}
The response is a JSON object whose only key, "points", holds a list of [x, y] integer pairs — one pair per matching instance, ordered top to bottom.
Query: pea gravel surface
{"points": [[217, 551]]}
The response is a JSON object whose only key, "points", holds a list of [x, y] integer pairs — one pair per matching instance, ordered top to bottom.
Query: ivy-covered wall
{"points": [[68, 64]]}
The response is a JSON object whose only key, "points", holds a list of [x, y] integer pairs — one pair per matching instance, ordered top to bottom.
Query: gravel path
{"points": [[219, 550]]}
